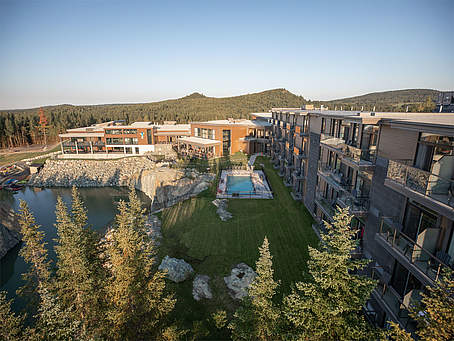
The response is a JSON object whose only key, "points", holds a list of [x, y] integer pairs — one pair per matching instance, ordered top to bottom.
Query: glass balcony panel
{"points": [[416, 254]]}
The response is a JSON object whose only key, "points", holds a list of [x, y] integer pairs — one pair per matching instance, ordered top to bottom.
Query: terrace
{"points": [[431, 189]]}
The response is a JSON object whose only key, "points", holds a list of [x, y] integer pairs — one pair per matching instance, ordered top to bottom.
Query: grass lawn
{"points": [[14, 157], [193, 231]]}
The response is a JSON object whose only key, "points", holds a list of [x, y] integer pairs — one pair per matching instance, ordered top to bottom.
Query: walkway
{"points": [[252, 159]]}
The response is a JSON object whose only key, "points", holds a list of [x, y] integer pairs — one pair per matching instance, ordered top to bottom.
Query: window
{"points": [[323, 125], [114, 131], [130, 131], [149, 137], [114, 140], [131, 140]]}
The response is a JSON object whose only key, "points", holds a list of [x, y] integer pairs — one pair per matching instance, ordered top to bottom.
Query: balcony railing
{"points": [[334, 142], [358, 155], [334, 175], [425, 183], [357, 204], [328, 206], [417, 255], [391, 297]]}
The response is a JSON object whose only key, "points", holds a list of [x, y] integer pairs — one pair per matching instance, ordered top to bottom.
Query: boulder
{"points": [[222, 212], [177, 269], [239, 280], [201, 288]]}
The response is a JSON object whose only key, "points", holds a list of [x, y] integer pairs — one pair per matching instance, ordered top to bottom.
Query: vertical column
{"points": [[61, 145], [77, 147], [91, 147]]}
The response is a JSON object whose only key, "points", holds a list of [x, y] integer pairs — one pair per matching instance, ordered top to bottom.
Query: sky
{"points": [[93, 52]]}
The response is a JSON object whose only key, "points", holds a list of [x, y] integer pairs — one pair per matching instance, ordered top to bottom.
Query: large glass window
{"points": [[114, 131], [130, 131], [114, 140], [131, 140]]}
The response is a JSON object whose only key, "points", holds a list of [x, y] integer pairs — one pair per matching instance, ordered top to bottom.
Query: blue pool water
{"points": [[237, 184]]}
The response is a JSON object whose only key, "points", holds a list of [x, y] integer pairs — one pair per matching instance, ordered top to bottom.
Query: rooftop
{"points": [[199, 141]]}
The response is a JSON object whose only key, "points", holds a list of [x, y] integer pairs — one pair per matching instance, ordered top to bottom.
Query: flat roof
{"points": [[236, 122], [174, 127], [81, 134], [198, 141]]}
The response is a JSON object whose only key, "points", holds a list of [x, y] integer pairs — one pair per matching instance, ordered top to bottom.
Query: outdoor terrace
{"points": [[431, 189]]}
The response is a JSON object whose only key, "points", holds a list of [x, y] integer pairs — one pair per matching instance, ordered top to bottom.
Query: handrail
{"points": [[421, 181], [415, 251]]}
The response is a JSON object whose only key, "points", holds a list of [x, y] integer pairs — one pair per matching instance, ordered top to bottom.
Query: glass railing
{"points": [[331, 141], [357, 155], [334, 174], [431, 185], [357, 203], [329, 206], [424, 260], [389, 295]]}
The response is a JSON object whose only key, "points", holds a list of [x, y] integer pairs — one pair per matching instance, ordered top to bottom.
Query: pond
{"points": [[101, 206]]}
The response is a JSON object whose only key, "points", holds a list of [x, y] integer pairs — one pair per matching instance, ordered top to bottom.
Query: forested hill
{"points": [[397, 100], [19, 127]]}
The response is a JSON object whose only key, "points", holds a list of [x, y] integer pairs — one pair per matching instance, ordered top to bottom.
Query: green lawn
{"points": [[14, 157], [193, 231]]}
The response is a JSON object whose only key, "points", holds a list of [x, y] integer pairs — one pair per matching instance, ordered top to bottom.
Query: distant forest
{"points": [[21, 127]]}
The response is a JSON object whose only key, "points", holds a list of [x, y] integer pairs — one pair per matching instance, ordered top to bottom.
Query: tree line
{"points": [[21, 127], [110, 289]]}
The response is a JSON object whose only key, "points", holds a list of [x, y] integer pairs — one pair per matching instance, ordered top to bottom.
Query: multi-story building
{"points": [[445, 102], [226, 137], [116, 138], [395, 172]]}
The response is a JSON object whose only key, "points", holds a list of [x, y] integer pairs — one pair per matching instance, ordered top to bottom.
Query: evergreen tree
{"points": [[79, 270], [137, 304], [329, 306], [434, 314], [258, 317], [52, 321], [11, 326]]}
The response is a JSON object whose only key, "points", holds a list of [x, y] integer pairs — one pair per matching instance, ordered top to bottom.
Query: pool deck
{"points": [[261, 188]]}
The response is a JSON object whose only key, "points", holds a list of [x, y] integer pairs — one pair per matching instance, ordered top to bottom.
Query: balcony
{"points": [[300, 131], [331, 141], [299, 153], [358, 157], [298, 174], [332, 176], [434, 191], [358, 205], [327, 206], [414, 256], [390, 300]]}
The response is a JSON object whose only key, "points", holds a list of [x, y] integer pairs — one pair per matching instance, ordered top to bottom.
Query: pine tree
{"points": [[79, 269], [137, 304], [329, 306], [434, 314], [258, 317], [52, 321], [11, 326]]}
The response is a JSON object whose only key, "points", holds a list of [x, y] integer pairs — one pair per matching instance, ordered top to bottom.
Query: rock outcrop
{"points": [[90, 173], [164, 185], [167, 186], [222, 212], [9, 229], [177, 269], [239, 280], [201, 288]]}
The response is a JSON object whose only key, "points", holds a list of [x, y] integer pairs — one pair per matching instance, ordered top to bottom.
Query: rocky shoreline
{"points": [[90, 173], [164, 185]]}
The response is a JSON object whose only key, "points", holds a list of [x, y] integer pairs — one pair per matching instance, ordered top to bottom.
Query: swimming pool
{"points": [[239, 184]]}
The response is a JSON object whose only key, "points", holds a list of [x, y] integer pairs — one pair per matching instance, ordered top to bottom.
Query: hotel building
{"points": [[395, 172]]}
